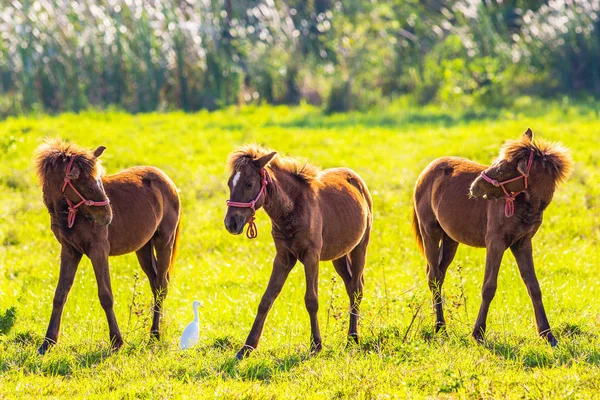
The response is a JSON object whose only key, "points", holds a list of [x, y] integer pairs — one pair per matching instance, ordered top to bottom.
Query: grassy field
{"points": [[228, 274]]}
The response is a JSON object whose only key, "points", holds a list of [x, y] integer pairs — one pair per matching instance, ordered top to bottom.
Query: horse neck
{"points": [[541, 191], [52, 196], [278, 201]]}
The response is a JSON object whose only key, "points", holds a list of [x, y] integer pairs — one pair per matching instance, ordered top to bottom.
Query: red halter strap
{"points": [[509, 206], [73, 208], [252, 232]]}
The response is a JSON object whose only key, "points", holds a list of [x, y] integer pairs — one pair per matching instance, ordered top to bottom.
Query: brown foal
{"points": [[450, 207], [135, 210], [316, 216]]}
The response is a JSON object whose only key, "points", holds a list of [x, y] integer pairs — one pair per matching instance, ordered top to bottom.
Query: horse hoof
{"points": [[440, 327], [154, 336], [478, 336], [352, 339], [551, 340], [117, 343], [43, 348], [316, 348], [244, 352]]}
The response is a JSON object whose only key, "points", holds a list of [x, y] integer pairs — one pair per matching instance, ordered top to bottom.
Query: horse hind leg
{"points": [[432, 239], [164, 243], [447, 253], [149, 263], [437, 265], [342, 266], [351, 268]]}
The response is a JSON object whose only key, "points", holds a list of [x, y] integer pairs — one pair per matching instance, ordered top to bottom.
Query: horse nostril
{"points": [[230, 224]]}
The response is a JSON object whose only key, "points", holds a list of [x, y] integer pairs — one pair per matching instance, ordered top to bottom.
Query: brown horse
{"points": [[450, 207], [142, 215], [316, 216]]}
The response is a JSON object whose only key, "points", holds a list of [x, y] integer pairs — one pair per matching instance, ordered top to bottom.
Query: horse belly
{"points": [[138, 210], [345, 220], [465, 220], [130, 234], [129, 242]]}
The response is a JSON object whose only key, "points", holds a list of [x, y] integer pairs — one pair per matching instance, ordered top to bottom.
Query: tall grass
{"points": [[144, 55]]}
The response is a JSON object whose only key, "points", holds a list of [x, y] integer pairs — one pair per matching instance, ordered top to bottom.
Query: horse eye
{"points": [[249, 185]]}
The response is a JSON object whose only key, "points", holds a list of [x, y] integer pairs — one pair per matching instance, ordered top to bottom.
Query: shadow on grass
{"points": [[315, 119], [385, 119], [7, 320], [224, 343], [576, 345], [503, 350], [20, 352], [64, 364], [263, 369]]}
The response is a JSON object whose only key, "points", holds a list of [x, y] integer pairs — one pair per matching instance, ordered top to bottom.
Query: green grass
{"points": [[229, 273]]}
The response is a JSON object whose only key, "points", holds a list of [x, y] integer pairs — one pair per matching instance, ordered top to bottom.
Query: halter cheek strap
{"points": [[509, 205], [73, 207], [252, 232]]}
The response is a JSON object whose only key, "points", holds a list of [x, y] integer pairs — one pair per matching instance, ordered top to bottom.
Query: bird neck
{"points": [[195, 314]]}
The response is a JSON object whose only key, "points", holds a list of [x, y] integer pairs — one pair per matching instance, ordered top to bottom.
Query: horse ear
{"points": [[528, 134], [98, 152], [264, 160], [522, 166], [74, 172]]}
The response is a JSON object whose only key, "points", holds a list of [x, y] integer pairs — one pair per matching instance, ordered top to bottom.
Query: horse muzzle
{"points": [[478, 190], [103, 216], [103, 220], [235, 224]]}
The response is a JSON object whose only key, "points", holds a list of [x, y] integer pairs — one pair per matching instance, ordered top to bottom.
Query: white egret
{"points": [[191, 333]]}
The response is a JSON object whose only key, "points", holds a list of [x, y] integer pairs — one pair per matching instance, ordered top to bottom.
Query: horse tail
{"points": [[415, 226], [175, 242]]}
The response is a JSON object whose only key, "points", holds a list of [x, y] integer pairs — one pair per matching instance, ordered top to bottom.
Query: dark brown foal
{"points": [[499, 207], [135, 210], [316, 216]]}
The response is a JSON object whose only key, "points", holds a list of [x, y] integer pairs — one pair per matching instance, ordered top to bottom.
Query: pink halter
{"points": [[509, 206], [73, 208], [252, 232]]}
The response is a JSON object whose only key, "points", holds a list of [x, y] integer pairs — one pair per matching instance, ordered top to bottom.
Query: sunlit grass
{"points": [[228, 274]]}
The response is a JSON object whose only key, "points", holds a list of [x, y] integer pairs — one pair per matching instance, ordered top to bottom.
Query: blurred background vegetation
{"points": [[143, 55]]}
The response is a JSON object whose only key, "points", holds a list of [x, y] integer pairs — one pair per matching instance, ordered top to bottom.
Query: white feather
{"points": [[191, 333]]}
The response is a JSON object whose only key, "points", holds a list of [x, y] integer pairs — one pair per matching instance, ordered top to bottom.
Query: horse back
{"points": [[442, 197], [142, 198], [346, 211]]}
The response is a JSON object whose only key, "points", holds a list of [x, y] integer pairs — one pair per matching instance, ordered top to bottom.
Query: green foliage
{"points": [[143, 56], [398, 355]]}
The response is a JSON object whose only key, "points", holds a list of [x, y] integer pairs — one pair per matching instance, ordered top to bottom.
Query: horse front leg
{"points": [[495, 250], [523, 253], [69, 260], [99, 260], [282, 265], [311, 299]]}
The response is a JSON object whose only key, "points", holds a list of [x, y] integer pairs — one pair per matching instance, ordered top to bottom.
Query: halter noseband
{"points": [[509, 206], [73, 208], [252, 232]]}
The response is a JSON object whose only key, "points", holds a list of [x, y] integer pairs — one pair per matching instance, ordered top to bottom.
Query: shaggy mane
{"points": [[57, 151], [246, 154], [555, 157]]}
